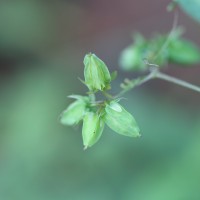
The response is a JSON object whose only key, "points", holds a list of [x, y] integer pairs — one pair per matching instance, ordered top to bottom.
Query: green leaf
{"points": [[191, 7], [183, 52], [120, 121], [92, 129]]}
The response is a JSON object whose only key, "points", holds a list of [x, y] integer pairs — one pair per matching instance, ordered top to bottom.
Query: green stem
{"points": [[170, 36], [155, 73], [177, 81], [137, 82], [107, 95]]}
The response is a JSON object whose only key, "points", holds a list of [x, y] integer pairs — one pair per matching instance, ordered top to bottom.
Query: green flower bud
{"points": [[97, 75], [75, 112], [120, 121], [92, 129]]}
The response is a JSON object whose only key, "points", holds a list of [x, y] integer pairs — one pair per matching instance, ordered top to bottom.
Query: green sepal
{"points": [[75, 111]]}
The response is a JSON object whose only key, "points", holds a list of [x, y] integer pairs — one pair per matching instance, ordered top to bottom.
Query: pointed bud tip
{"points": [[90, 54], [85, 148]]}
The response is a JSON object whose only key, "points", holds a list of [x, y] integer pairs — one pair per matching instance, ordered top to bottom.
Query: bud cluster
{"points": [[95, 114]]}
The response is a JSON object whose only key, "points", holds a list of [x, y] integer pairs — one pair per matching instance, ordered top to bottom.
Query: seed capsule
{"points": [[97, 75], [120, 121], [92, 129]]}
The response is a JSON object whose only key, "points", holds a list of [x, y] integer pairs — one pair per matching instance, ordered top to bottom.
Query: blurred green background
{"points": [[42, 45]]}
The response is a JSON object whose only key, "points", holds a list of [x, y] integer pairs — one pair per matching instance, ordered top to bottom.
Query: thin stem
{"points": [[170, 36], [155, 73], [148, 77], [177, 81], [137, 82], [107, 95]]}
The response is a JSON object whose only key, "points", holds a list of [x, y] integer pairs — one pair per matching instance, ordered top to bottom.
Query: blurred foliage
{"points": [[191, 7], [160, 50]]}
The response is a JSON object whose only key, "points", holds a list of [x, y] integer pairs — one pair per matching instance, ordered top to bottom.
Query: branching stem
{"points": [[154, 70], [155, 73]]}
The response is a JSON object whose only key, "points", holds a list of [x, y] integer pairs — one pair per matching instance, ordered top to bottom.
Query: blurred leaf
{"points": [[191, 7], [159, 50], [183, 52], [131, 56], [131, 59]]}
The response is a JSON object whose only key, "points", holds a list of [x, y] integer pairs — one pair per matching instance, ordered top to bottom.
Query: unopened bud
{"points": [[97, 75], [92, 129]]}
